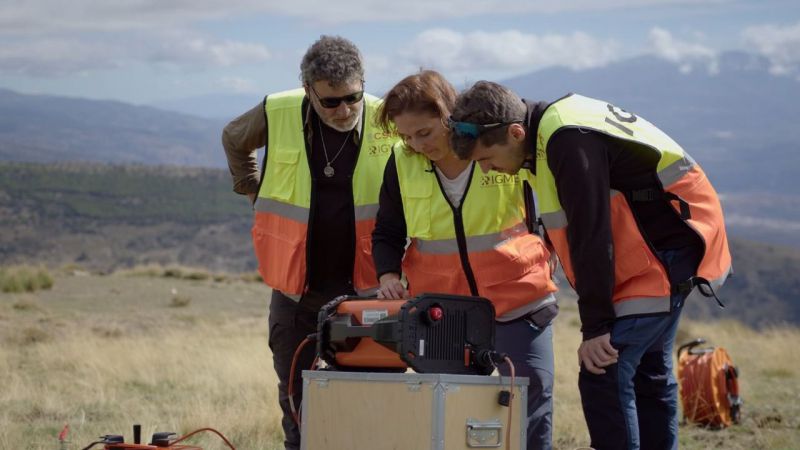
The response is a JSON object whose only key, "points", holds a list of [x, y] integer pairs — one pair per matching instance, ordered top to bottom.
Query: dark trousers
{"points": [[289, 324], [634, 405]]}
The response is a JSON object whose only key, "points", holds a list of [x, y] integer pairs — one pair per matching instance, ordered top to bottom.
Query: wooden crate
{"points": [[409, 411]]}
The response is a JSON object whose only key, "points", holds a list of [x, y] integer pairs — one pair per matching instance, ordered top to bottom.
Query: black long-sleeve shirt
{"points": [[586, 165], [389, 236], [331, 243]]}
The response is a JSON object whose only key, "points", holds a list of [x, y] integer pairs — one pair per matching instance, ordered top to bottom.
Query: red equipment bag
{"points": [[709, 385]]}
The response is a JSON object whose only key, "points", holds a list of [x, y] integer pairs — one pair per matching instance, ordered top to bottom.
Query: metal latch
{"points": [[484, 434]]}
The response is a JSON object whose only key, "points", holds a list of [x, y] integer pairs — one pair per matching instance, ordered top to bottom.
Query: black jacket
{"points": [[586, 165]]}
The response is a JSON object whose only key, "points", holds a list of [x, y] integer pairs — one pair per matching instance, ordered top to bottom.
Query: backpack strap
{"points": [[702, 284]]}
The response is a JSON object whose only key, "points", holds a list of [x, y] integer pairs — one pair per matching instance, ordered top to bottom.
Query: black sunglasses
{"points": [[333, 102], [473, 130]]}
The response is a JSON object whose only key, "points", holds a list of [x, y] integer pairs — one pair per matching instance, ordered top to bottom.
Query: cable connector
{"points": [[490, 358], [504, 398]]}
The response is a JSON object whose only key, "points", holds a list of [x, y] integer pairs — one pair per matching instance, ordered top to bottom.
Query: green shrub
{"points": [[173, 272], [197, 274], [251, 277], [24, 279]]}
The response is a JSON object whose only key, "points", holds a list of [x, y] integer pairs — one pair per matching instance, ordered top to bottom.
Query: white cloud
{"points": [[43, 16], [34, 17], [781, 45], [179, 49], [453, 51], [685, 54], [57, 56], [53, 57], [239, 85], [724, 135]]}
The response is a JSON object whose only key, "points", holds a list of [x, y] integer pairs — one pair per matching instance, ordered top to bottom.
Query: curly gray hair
{"points": [[333, 59]]}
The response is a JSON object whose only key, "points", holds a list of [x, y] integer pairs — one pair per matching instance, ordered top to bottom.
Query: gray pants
{"points": [[531, 350]]}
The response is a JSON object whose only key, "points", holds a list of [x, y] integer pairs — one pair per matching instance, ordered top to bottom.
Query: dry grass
{"points": [[187, 273], [104, 352], [769, 383]]}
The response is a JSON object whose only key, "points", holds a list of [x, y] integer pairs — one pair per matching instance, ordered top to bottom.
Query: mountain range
{"points": [[738, 120], [47, 129]]}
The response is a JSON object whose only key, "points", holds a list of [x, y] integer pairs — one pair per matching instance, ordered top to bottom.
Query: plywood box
{"points": [[409, 411]]}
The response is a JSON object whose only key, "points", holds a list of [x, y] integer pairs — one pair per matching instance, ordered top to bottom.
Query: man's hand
{"points": [[252, 197], [391, 287], [597, 353]]}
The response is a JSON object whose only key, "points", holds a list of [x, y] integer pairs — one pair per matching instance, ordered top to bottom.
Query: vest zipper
{"points": [[352, 177], [312, 203], [461, 237]]}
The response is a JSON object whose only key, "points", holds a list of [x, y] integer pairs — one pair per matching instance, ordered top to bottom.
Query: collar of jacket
{"points": [[532, 119]]}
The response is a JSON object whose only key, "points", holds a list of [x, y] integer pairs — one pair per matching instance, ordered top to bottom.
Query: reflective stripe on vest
{"points": [[280, 230], [509, 265], [641, 283]]}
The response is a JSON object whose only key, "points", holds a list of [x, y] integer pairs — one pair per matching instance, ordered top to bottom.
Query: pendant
{"points": [[328, 171]]}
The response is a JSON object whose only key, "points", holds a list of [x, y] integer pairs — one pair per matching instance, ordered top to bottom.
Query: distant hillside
{"points": [[212, 106], [740, 123], [40, 128], [105, 217], [764, 289]]}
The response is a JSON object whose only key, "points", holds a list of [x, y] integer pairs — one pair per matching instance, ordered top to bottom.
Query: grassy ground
{"points": [[179, 353]]}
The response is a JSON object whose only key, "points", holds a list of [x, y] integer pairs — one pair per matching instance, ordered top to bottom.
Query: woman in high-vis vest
{"points": [[637, 227], [469, 235]]}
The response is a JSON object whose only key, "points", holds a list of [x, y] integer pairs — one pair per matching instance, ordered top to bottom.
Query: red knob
{"points": [[435, 313]]}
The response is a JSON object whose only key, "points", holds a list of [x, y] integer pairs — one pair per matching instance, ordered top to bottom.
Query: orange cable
{"points": [[291, 380], [510, 404], [184, 437]]}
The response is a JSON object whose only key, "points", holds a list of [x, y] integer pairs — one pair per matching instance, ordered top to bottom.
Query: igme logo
{"points": [[377, 150], [498, 179]]}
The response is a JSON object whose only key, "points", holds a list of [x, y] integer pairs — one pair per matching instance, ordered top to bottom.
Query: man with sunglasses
{"points": [[315, 198], [637, 226]]}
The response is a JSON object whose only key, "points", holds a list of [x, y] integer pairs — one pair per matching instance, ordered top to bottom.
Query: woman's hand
{"points": [[391, 287]]}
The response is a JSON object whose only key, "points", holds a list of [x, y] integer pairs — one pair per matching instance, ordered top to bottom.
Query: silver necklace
{"points": [[328, 170]]}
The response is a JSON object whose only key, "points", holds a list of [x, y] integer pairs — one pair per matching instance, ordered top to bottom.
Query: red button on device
{"points": [[435, 313]]}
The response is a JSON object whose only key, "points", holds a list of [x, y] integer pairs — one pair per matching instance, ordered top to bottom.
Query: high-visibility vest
{"points": [[281, 226], [481, 248], [641, 284]]}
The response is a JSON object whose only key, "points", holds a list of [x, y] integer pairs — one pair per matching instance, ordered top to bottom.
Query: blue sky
{"points": [[145, 51]]}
